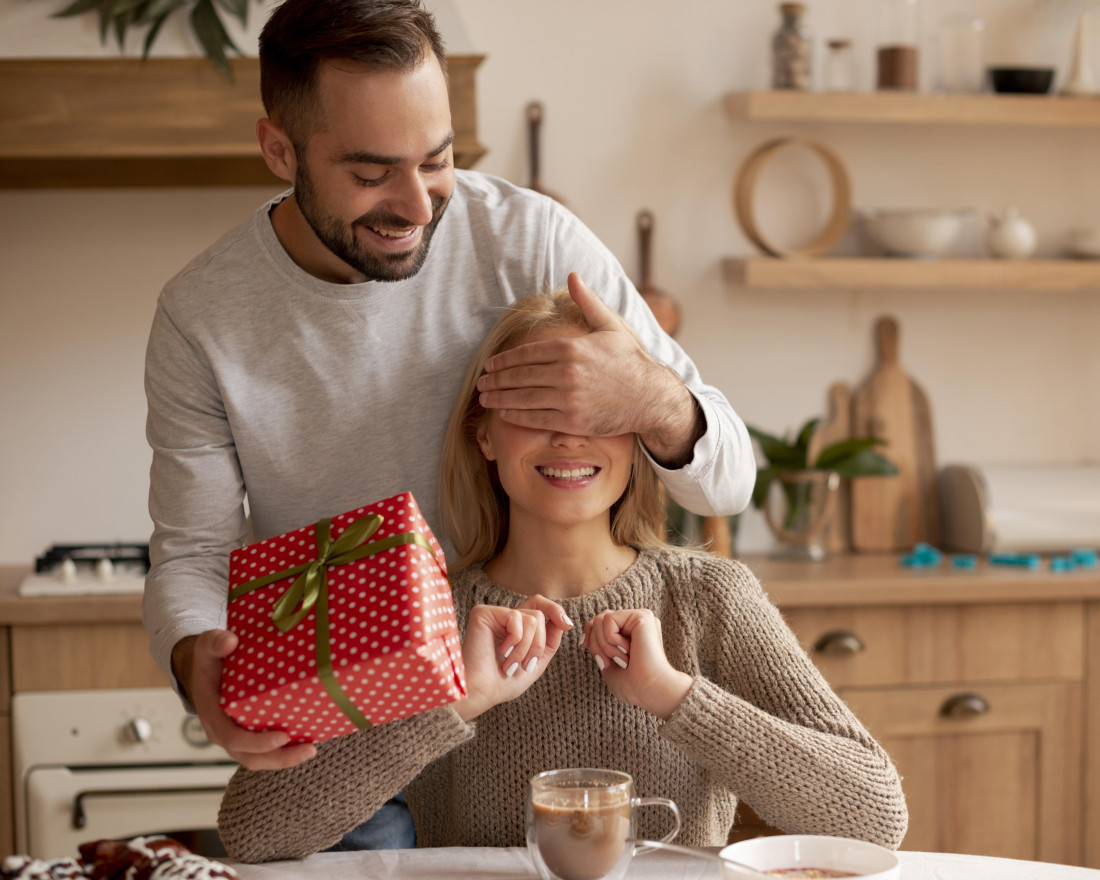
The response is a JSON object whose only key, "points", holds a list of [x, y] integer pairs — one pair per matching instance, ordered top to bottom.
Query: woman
{"points": [[588, 642]]}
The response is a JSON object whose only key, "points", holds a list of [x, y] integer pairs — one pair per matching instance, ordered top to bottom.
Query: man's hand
{"points": [[598, 385], [505, 650], [630, 652], [197, 665]]}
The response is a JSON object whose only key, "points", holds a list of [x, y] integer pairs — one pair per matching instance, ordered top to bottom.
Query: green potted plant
{"points": [[809, 487]]}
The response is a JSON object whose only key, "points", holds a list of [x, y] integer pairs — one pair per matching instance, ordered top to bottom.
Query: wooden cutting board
{"points": [[836, 426], [891, 514]]}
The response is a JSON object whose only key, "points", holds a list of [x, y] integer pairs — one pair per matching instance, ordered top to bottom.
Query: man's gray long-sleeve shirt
{"points": [[310, 398]]}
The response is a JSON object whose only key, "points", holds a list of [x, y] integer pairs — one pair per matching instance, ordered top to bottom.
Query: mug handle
{"points": [[657, 802]]}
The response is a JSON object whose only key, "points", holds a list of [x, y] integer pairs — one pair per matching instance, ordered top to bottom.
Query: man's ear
{"points": [[277, 150], [483, 440]]}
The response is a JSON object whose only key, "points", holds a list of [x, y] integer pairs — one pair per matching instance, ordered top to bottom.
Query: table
{"points": [[481, 863]]}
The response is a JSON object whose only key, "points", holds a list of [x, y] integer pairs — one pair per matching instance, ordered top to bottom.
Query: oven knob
{"points": [[139, 730], [194, 733]]}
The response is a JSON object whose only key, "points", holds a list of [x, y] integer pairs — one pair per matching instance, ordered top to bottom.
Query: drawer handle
{"points": [[839, 643], [964, 706]]}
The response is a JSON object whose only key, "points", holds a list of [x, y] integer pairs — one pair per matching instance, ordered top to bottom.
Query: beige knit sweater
{"points": [[759, 723]]}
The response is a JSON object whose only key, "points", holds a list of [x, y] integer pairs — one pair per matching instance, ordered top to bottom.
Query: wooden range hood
{"points": [[160, 122]]}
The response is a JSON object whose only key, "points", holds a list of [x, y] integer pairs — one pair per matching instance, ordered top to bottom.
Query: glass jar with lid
{"points": [[792, 49], [898, 53], [840, 74]]}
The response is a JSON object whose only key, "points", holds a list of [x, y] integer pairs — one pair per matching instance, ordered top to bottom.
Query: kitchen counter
{"points": [[840, 581], [53, 610]]}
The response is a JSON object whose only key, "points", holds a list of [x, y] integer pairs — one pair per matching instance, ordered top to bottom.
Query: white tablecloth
{"points": [[473, 863]]}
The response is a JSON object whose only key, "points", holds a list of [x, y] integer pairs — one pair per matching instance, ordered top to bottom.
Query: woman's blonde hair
{"points": [[475, 506]]}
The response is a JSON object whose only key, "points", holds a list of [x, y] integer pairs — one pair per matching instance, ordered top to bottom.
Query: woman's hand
{"points": [[628, 648], [506, 650]]}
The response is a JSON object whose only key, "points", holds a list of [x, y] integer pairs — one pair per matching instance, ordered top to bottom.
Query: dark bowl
{"points": [[1027, 80]]}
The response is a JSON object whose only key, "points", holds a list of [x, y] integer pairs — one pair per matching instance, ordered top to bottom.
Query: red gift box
{"points": [[342, 624]]}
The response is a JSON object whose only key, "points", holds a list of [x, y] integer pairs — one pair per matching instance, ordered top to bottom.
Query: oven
{"points": [[113, 764]]}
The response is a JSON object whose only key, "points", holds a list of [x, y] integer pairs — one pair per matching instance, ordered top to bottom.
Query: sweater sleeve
{"points": [[790, 746], [270, 815]]}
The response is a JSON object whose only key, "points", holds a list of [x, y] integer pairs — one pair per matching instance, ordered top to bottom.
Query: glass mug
{"points": [[580, 823]]}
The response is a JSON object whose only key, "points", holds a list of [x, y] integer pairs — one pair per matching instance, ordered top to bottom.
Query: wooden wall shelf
{"points": [[914, 108], [161, 122], [846, 273]]}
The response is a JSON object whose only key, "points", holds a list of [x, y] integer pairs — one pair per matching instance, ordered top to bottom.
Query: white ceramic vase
{"points": [[1010, 236]]}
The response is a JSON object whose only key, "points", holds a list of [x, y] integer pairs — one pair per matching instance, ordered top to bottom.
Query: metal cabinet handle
{"points": [[839, 643], [964, 706], [79, 819]]}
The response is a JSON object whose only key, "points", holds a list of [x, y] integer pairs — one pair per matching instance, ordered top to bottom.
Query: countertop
{"points": [[839, 581]]}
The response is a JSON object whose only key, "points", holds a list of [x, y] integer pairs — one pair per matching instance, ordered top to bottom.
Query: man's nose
{"points": [[414, 200]]}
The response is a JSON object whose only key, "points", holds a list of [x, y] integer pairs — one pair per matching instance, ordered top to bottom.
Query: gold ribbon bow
{"points": [[310, 590]]}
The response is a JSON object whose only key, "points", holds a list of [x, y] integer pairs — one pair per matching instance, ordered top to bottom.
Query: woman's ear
{"points": [[484, 442]]}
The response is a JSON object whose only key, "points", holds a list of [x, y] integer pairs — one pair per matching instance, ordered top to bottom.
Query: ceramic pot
{"points": [[1010, 236]]}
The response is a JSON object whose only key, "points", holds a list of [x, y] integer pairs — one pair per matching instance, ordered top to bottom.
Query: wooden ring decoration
{"points": [[744, 188]]}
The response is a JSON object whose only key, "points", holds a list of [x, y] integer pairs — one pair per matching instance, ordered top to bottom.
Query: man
{"points": [[308, 361]]}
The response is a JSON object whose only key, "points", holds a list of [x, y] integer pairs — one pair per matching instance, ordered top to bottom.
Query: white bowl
{"points": [[915, 232], [865, 860]]}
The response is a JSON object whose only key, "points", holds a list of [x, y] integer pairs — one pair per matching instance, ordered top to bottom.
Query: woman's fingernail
{"points": [[565, 617], [621, 648], [509, 651], [620, 661], [599, 662], [531, 664], [511, 670]]}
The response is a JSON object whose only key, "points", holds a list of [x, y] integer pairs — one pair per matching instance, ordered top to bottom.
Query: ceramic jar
{"points": [[1010, 236]]}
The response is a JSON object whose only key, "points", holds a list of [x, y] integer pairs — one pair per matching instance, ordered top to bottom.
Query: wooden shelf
{"points": [[913, 108], [161, 122], [844, 273]]}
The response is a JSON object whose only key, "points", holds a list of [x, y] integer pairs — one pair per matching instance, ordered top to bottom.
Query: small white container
{"points": [[1010, 236]]}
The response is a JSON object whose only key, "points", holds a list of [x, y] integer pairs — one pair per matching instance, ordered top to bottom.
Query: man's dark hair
{"points": [[301, 34]]}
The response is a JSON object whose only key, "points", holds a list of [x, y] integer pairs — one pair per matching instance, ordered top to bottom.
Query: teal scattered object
{"points": [[922, 556], [1085, 558], [1019, 560], [965, 561], [1062, 563]]}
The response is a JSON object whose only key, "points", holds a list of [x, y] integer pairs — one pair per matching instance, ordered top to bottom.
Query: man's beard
{"points": [[341, 239]]}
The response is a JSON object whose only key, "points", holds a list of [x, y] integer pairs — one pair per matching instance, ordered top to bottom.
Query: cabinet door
{"points": [[1000, 781]]}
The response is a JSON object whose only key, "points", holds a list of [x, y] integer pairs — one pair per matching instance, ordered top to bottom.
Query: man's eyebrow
{"points": [[364, 158]]}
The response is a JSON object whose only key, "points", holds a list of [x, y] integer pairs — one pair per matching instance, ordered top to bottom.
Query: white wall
{"points": [[633, 92]]}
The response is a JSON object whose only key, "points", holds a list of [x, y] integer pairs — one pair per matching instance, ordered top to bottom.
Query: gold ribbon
{"points": [[310, 590]]}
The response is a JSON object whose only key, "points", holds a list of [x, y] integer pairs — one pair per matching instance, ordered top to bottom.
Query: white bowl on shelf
{"points": [[915, 232], [868, 861]]}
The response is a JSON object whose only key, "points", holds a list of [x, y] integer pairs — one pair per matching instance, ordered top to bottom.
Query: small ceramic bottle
{"points": [[1010, 235]]}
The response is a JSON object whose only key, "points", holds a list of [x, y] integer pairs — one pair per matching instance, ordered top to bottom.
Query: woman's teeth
{"points": [[568, 473]]}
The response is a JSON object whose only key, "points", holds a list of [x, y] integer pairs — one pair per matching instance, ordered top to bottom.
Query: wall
{"points": [[633, 91]]}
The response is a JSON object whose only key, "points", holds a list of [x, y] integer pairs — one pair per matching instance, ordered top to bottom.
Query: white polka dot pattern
{"points": [[394, 640]]}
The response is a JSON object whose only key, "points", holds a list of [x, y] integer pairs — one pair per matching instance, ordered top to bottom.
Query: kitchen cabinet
{"points": [[901, 108], [159, 122], [980, 708]]}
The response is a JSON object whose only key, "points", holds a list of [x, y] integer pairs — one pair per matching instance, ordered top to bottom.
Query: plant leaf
{"points": [[79, 7], [237, 8], [154, 11], [151, 34], [211, 35], [806, 433], [778, 452], [837, 452], [866, 463], [764, 480]]}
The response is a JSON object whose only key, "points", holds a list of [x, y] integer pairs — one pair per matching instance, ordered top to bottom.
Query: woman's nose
{"points": [[568, 441]]}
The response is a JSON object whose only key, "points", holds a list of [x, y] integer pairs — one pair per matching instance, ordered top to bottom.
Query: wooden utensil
{"points": [[534, 126], [664, 306], [836, 426], [891, 514]]}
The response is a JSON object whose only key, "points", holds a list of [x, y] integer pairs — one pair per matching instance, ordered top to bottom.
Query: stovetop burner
{"points": [[93, 553], [88, 569]]}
